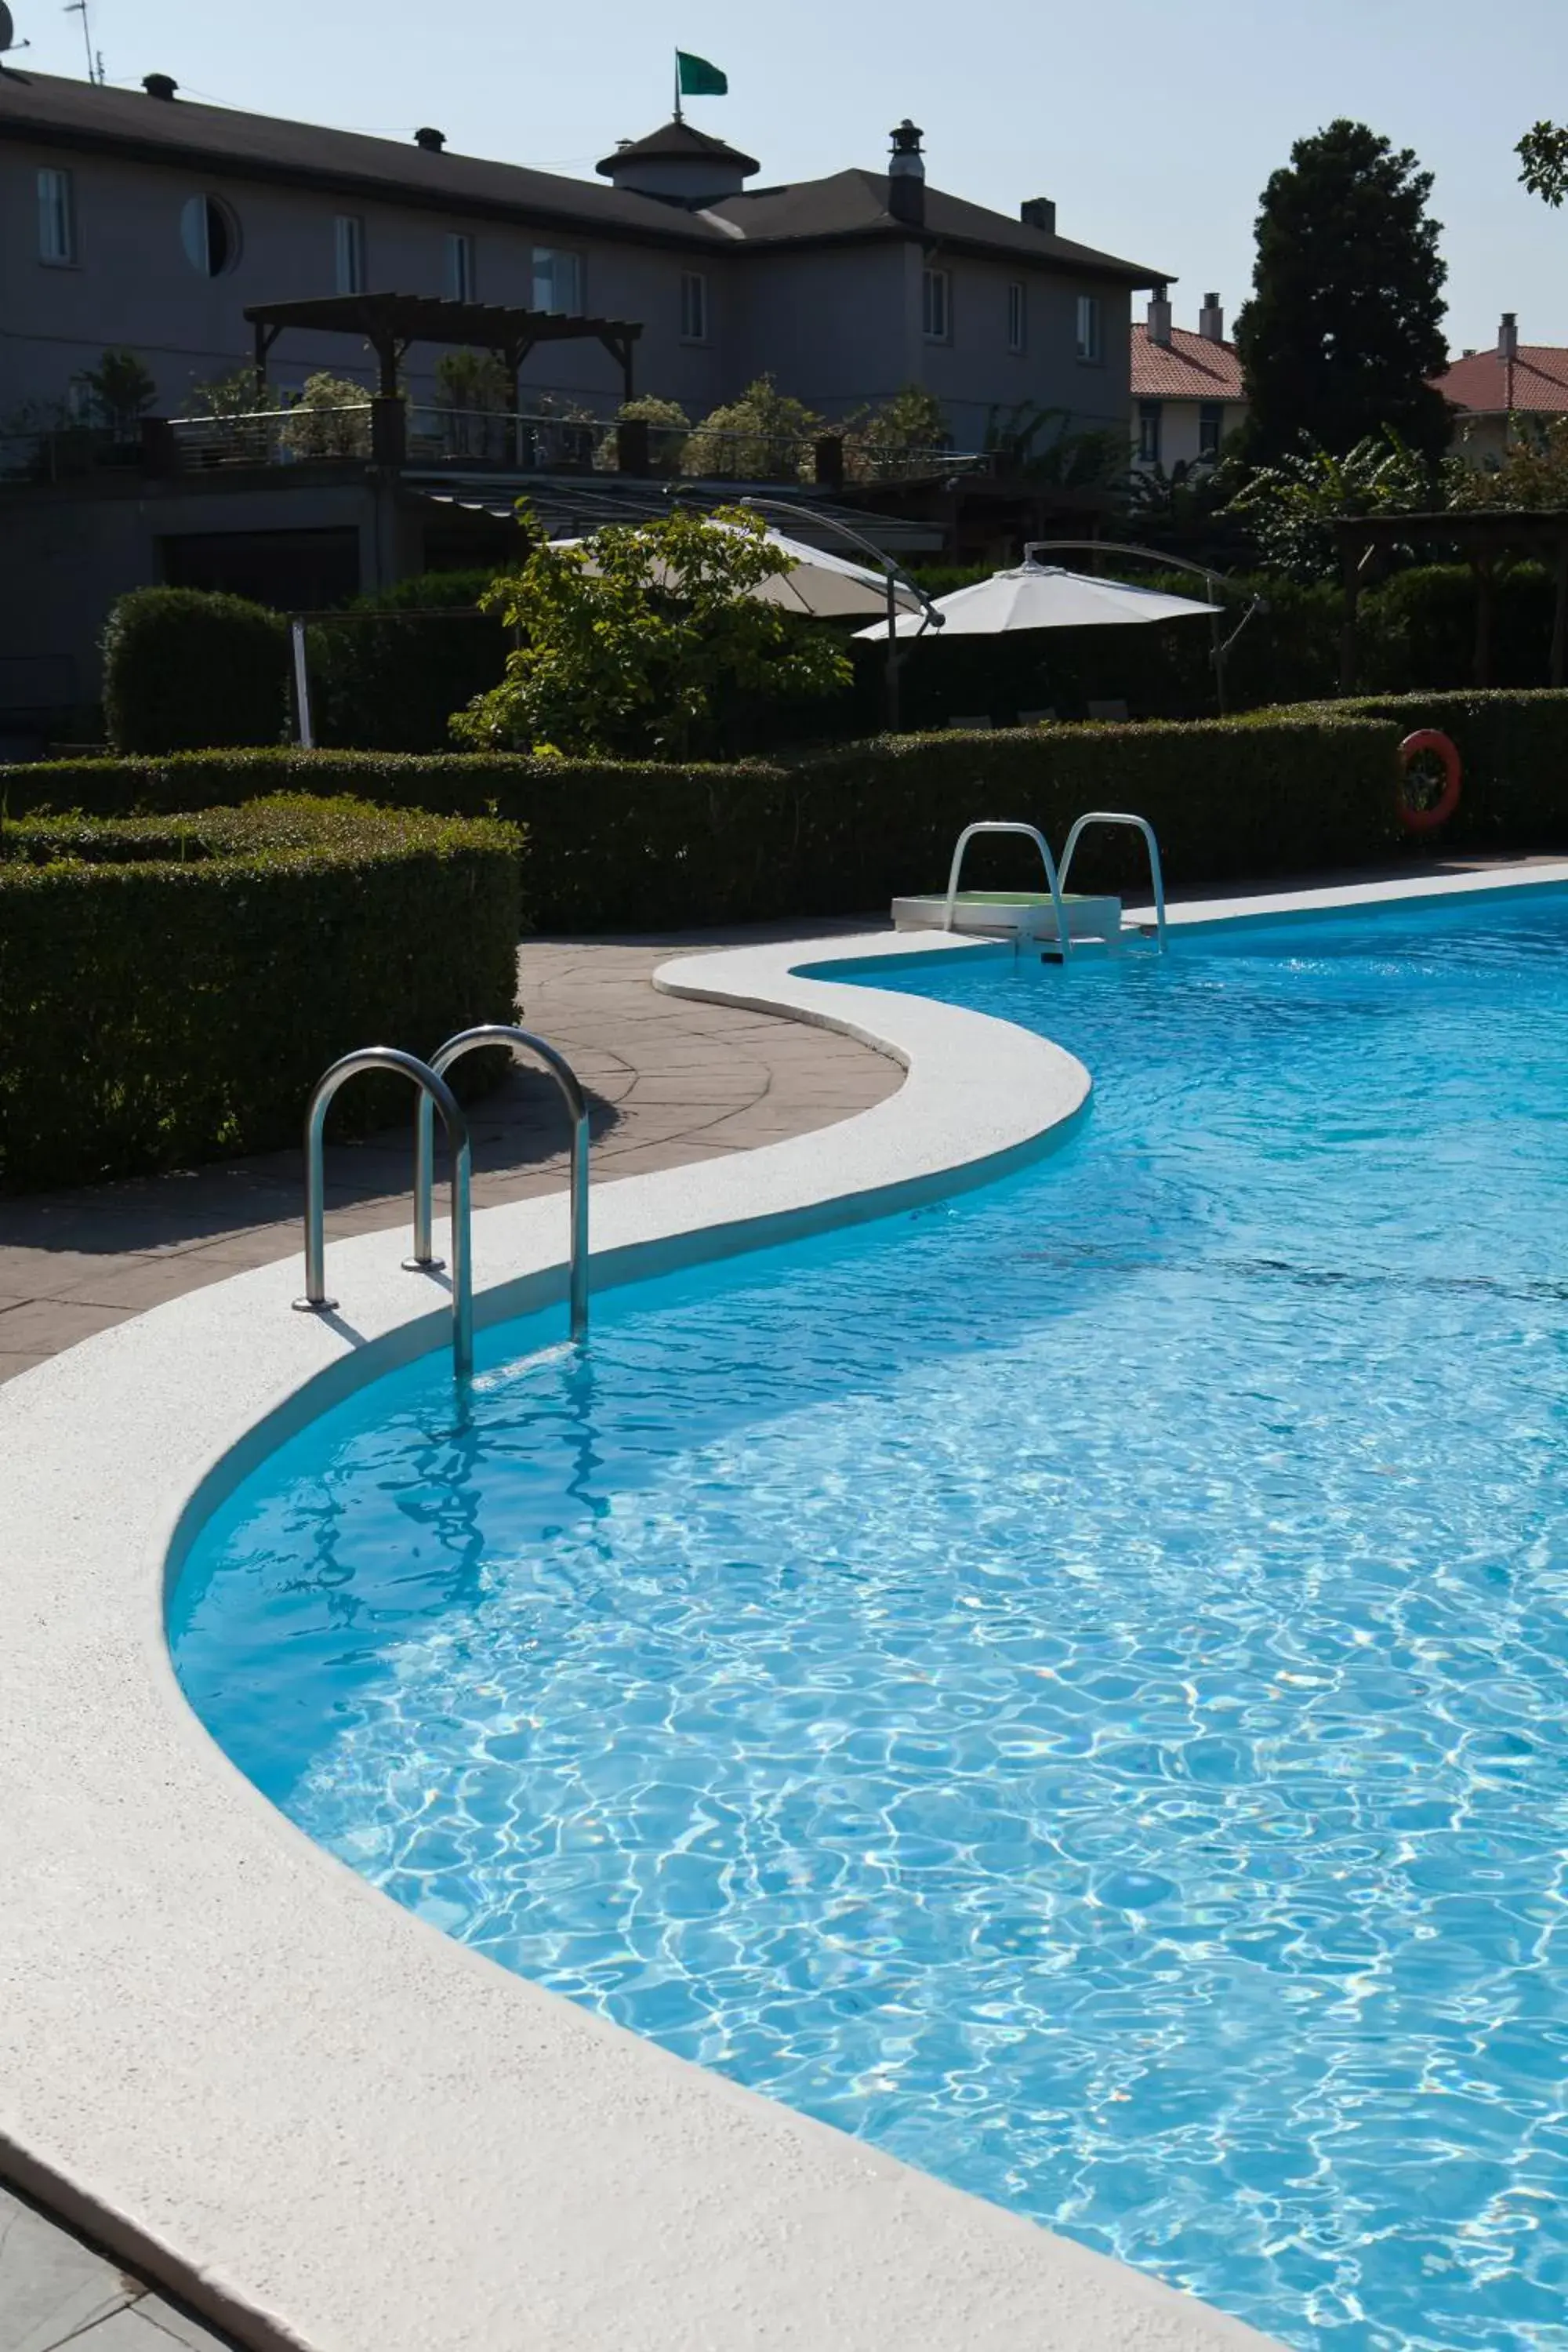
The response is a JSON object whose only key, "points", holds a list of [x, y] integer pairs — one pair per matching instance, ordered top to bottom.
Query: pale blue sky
{"points": [[1154, 126]]}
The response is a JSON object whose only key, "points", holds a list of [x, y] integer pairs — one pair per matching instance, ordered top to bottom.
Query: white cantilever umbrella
{"points": [[823, 586], [1044, 596]]}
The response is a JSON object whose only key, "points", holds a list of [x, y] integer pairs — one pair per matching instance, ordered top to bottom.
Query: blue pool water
{"points": [[1069, 1685]]}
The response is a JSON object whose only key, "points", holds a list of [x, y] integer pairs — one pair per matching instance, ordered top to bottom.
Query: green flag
{"points": [[695, 78]]}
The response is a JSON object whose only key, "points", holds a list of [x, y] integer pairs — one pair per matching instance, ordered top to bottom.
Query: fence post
{"points": [[388, 430], [632, 452], [829, 462]]}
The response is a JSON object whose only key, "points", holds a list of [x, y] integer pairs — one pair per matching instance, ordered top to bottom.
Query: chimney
{"points": [[159, 85], [431, 141], [906, 176], [1039, 212], [1160, 317], [1211, 319], [1508, 336]]}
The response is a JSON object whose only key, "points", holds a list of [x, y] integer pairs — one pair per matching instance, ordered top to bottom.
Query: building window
{"points": [[57, 218], [210, 235], [348, 253], [462, 280], [557, 280], [693, 306], [936, 306], [1017, 316], [1089, 336], [1211, 429], [1149, 431]]}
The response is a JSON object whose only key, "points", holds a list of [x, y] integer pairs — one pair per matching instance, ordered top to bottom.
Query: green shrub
{"points": [[186, 670], [389, 674], [1513, 751], [615, 845], [171, 988]]}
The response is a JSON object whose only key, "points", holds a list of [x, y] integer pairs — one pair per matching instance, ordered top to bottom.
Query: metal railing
{"points": [[271, 436], [1140, 825], [1031, 832], [518, 1041], [433, 1091]]}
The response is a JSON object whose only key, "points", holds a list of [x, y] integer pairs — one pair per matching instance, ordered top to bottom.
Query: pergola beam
{"points": [[390, 323]]}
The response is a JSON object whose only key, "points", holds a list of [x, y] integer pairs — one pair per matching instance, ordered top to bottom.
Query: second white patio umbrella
{"points": [[823, 586], [1044, 596]]}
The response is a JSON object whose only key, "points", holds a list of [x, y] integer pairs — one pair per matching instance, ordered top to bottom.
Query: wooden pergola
{"points": [[389, 323], [1487, 539]]}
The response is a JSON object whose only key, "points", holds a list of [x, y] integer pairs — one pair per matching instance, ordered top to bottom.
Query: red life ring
{"points": [[1427, 820]]}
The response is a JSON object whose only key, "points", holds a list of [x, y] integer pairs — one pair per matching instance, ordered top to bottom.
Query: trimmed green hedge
{"points": [[184, 669], [1514, 749], [614, 847], [171, 988]]}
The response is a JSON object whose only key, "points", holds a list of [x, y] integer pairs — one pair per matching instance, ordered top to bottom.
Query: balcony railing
{"points": [[422, 438]]}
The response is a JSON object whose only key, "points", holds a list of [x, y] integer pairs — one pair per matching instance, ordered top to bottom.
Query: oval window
{"points": [[210, 235]]}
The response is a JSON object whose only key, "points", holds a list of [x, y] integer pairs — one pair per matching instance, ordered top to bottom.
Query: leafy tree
{"points": [[1543, 152], [1344, 326], [470, 379], [118, 392], [236, 395], [329, 419], [669, 430], [764, 437], [881, 443], [1065, 460], [1533, 472], [1290, 507], [633, 645]]}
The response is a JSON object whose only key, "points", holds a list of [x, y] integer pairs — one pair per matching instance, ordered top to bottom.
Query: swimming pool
{"points": [[1068, 1684]]}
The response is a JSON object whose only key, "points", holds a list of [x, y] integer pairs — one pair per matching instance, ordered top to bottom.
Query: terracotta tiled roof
{"points": [[1188, 368], [1539, 386]]}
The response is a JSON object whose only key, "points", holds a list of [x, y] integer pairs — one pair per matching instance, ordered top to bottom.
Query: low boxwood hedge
{"points": [[1514, 749], [615, 846], [171, 987]]}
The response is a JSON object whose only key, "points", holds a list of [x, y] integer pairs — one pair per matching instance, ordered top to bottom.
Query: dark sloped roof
{"points": [[677, 142], [855, 204], [846, 207]]}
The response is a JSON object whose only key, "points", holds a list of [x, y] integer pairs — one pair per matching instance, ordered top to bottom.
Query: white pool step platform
{"points": [[1015, 914]]}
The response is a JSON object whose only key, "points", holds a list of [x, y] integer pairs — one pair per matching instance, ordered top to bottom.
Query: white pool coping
{"points": [[256, 2077]]}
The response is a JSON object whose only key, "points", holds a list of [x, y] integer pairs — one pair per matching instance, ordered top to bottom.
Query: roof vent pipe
{"points": [[159, 85], [431, 141], [906, 176], [1039, 212], [1160, 317], [1211, 319], [1508, 336]]}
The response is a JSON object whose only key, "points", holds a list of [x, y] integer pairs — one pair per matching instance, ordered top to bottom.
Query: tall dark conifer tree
{"points": [[1345, 323]]}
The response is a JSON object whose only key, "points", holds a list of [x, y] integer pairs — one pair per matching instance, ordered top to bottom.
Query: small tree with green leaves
{"points": [[1543, 159], [1344, 326], [472, 380], [118, 392], [238, 393], [329, 419], [668, 431], [764, 437], [881, 444], [1533, 473], [1290, 507], [635, 644]]}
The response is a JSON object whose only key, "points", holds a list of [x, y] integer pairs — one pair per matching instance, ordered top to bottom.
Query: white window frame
{"points": [[56, 218], [348, 254], [547, 260], [462, 267], [693, 305], [936, 306], [1018, 315], [1091, 329], [1151, 423]]}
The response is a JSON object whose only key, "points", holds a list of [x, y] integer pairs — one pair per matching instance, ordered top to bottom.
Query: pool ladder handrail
{"points": [[1140, 825], [1032, 832], [520, 1041], [434, 1094]]}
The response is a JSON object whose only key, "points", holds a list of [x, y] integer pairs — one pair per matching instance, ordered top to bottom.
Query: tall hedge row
{"points": [[184, 669], [614, 847], [171, 987]]}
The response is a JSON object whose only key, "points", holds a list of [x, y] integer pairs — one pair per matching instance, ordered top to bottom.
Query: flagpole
{"points": [[678, 116]]}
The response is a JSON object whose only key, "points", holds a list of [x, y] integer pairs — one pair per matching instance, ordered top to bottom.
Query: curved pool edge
{"points": [[320, 2120]]}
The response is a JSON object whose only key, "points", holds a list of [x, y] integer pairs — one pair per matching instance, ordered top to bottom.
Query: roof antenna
{"points": [[8, 40], [94, 57]]}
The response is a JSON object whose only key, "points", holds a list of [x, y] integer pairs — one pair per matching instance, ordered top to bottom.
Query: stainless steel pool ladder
{"points": [[1140, 825], [1031, 832], [518, 1041], [434, 1094]]}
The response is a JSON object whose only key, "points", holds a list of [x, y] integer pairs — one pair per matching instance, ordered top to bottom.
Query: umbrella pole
{"points": [[892, 652]]}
